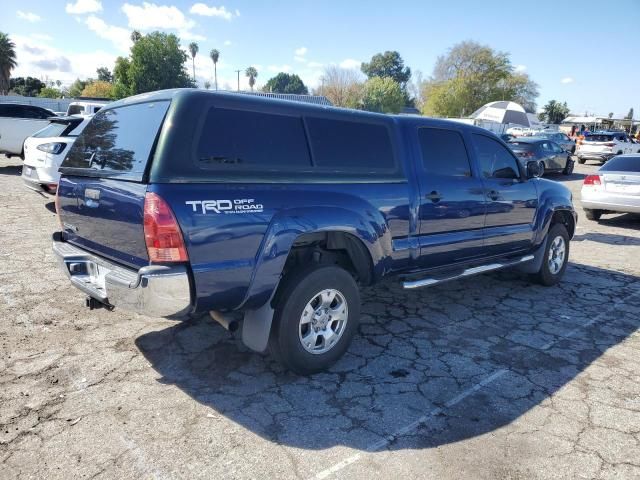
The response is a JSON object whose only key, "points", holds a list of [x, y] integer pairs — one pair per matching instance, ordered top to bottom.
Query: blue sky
{"points": [[585, 53]]}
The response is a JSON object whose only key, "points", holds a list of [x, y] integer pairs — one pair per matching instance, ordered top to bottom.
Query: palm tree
{"points": [[135, 36], [193, 50], [215, 55], [7, 62], [252, 73]]}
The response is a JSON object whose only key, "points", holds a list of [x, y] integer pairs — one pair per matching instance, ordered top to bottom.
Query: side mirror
{"points": [[533, 170]]}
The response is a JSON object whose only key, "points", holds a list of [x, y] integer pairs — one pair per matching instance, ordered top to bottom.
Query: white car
{"points": [[85, 107], [17, 122], [518, 131], [602, 146], [45, 150]]}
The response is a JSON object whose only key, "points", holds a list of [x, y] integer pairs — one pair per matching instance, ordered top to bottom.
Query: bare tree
{"points": [[343, 87]]}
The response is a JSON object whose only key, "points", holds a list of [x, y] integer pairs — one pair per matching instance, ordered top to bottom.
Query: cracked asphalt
{"points": [[490, 377]]}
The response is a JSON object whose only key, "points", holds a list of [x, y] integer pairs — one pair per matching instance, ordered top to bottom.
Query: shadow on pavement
{"points": [[11, 169], [51, 206], [609, 238], [416, 352]]}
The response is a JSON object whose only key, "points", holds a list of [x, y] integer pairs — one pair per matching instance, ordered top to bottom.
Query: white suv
{"points": [[17, 122], [604, 145]]}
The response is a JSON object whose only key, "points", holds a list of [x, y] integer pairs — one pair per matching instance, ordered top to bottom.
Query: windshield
{"points": [[52, 130], [598, 138], [622, 164]]}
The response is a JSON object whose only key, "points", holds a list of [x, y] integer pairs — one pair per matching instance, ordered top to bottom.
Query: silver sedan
{"points": [[614, 188]]}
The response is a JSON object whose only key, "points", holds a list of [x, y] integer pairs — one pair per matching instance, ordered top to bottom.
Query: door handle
{"points": [[493, 195], [433, 196]]}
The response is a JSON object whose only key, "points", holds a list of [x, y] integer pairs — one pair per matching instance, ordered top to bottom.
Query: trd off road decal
{"points": [[239, 205]]}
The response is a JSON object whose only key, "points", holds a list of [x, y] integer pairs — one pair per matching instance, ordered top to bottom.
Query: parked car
{"points": [[85, 107], [17, 122], [518, 131], [560, 138], [602, 146], [45, 150], [549, 155], [614, 188], [273, 213]]}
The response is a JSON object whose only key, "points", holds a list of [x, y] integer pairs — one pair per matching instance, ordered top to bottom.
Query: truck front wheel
{"points": [[556, 256], [316, 316]]}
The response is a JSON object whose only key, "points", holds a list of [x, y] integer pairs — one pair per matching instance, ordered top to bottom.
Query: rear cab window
{"points": [[117, 142]]}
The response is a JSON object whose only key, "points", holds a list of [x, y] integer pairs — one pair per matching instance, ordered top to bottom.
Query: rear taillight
{"points": [[610, 144], [592, 180], [57, 205], [161, 232]]}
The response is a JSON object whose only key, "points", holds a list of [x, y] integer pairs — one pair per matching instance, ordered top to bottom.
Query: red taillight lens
{"points": [[610, 144], [526, 154], [592, 180], [161, 232]]}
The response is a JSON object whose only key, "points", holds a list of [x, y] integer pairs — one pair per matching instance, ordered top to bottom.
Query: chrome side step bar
{"points": [[429, 281]]}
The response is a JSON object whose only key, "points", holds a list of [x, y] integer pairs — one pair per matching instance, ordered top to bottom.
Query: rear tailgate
{"points": [[597, 144], [621, 183], [102, 189]]}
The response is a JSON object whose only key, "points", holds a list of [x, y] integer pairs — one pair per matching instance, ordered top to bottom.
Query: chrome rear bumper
{"points": [[154, 290]]}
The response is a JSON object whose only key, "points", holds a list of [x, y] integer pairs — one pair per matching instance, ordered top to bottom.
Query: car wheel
{"points": [[580, 161], [568, 168], [592, 214], [556, 256], [316, 316]]}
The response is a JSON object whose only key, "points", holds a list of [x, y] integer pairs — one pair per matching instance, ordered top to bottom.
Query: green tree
{"points": [[135, 36], [193, 50], [215, 56], [7, 62], [156, 62], [389, 64], [252, 74], [104, 75], [469, 76], [286, 83], [207, 84], [27, 87], [343, 87], [76, 88], [99, 88], [50, 92], [382, 94], [554, 112], [610, 114], [630, 114]]}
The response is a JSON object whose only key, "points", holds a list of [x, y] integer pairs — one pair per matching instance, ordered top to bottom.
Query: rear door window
{"points": [[249, 140], [117, 142], [341, 145], [444, 152], [495, 160], [622, 164]]}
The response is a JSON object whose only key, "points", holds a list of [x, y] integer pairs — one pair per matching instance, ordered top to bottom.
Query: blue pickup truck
{"points": [[269, 215]]}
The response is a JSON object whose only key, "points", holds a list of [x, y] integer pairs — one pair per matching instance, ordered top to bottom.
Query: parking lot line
{"points": [[457, 399]]}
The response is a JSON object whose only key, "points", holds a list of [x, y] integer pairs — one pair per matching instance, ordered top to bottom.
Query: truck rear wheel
{"points": [[592, 214], [556, 256], [316, 316]]}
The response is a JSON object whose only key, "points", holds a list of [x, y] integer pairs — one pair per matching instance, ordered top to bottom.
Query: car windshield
{"points": [[52, 130], [598, 138], [622, 164]]}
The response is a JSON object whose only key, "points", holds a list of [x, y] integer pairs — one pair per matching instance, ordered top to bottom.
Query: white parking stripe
{"points": [[436, 411]]}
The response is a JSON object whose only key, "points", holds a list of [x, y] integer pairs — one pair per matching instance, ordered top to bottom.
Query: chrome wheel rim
{"points": [[557, 255], [323, 321]]}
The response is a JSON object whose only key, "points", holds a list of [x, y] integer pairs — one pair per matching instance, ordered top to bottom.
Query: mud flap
{"points": [[535, 265], [256, 327]]}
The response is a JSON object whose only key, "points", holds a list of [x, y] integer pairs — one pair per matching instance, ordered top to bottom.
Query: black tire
{"points": [[581, 161], [568, 168], [592, 214], [546, 276], [299, 289]]}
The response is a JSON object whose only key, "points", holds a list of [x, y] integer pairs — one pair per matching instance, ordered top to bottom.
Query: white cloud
{"points": [[84, 6], [206, 11], [237, 12], [28, 16], [150, 16], [188, 35], [120, 37], [227, 43], [301, 51], [299, 59], [40, 60], [350, 63], [520, 68], [566, 80]]}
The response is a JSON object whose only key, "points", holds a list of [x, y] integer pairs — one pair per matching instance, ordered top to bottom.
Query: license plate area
{"points": [[626, 188]]}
